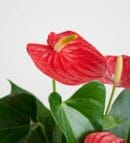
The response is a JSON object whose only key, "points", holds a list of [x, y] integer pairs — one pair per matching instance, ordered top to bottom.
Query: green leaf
{"points": [[19, 107], [121, 109], [42, 114], [80, 114], [111, 122]]}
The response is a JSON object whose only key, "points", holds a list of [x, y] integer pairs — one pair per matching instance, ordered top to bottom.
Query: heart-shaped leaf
{"points": [[18, 108], [121, 109], [80, 114]]}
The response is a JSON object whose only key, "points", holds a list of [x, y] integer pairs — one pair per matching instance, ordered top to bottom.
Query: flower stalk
{"points": [[53, 85], [110, 100]]}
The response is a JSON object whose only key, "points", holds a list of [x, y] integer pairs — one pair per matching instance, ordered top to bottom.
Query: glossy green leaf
{"points": [[18, 108], [121, 109], [80, 114], [111, 122]]}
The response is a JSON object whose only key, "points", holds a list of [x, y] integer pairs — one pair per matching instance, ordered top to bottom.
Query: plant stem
{"points": [[53, 85], [110, 100]]}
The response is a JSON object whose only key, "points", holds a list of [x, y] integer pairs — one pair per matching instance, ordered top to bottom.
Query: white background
{"points": [[104, 23]]}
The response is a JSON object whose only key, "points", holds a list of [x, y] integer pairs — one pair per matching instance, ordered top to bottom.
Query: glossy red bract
{"points": [[76, 63], [109, 74], [103, 137]]}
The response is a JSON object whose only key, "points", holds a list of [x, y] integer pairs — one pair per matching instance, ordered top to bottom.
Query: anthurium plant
{"points": [[83, 118]]}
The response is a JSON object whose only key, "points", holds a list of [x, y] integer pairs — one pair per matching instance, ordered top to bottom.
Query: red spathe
{"points": [[77, 62]]}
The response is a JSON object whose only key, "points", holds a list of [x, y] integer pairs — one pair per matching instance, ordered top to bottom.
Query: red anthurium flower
{"points": [[68, 58], [118, 69], [103, 137]]}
